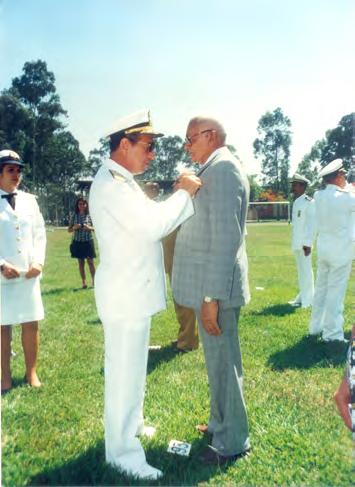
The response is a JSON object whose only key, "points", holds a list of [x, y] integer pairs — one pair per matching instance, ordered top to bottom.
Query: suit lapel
{"points": [[203, 169]]}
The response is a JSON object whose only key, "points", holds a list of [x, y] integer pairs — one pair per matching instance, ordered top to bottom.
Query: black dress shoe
{"points": [[210, 456]]}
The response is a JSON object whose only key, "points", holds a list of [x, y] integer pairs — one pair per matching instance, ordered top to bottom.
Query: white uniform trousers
{"points": [[305, 278], [328, 302], [126, 355]]}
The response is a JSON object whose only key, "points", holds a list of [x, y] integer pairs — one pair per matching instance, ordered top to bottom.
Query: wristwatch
{"points": [[208, 299]]}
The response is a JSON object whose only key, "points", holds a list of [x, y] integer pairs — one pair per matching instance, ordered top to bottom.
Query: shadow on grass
{"points": [[55, 291], [275, 310], [97, 321], [307, 353], [164, 354], [91, 469]]}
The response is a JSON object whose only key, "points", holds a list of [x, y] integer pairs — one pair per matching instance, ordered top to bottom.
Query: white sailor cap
{"points": [[139, 123], [10, 157], [332, 167], [298, 178]]}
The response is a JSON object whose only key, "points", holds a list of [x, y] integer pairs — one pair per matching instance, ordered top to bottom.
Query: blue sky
{"points": [[231, 59]]}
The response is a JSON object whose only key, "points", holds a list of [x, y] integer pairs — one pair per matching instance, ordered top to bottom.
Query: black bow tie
{"points": [[10, 199]]}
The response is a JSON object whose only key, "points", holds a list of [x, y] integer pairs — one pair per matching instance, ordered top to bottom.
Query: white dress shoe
{"points": [[147, 431], [147, 472]]}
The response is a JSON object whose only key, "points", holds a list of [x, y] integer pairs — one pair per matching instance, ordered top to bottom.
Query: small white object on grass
{"points": [[258, 288], [154, 347], [179, 448]]}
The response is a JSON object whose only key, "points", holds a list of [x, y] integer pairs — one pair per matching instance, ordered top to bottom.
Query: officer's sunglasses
{"points": [[150, 146]]}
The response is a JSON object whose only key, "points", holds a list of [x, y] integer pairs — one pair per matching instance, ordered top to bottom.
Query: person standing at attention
{"points": [[335, 206], [303, 226], [22, 254], [210, 275]]}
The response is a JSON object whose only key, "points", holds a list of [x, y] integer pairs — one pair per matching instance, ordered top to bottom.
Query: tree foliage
{"points": [[32, 122], [338, 142], [273, 146], [255, 188]]}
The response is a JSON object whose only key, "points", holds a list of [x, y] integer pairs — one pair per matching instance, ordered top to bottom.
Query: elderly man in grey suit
{"points": [[210, 275]]}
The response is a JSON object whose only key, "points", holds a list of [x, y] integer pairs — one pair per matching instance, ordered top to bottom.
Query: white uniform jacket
{"points": [[335, 208], [303, 222], [22, 234], [130, 279]]}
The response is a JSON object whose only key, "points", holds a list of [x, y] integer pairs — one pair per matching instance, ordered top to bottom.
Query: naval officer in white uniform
{"points": [[335, 206], [303, 225], [22, 252], [130, 280]]}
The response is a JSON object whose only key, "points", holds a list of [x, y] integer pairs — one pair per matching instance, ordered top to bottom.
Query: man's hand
{"points": [[189, 182], [87, 227], [307, 250], [10, 271], [33, 271], [209, 313], [342, 399]]}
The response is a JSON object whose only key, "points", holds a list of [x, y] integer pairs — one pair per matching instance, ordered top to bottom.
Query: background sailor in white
{"points": [[334, 209], [303, 222], [22, 253], [130, 280]]}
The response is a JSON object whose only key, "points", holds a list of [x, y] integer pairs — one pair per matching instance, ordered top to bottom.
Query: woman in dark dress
{"points": [[82, 246]]}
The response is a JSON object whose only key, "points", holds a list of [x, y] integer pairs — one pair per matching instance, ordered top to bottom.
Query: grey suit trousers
{"points": [[228, 421]]}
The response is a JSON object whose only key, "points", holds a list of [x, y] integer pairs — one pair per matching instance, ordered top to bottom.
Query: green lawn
{"points": [[54, 436]]}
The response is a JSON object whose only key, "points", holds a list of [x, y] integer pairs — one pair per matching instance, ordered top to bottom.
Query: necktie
{"points": [[10, 199]]}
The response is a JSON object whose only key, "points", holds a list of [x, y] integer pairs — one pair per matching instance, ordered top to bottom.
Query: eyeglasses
{"points": [[188, 140], [150, 146]]}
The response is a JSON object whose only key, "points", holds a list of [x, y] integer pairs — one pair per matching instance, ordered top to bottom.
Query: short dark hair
{"points": [[116, 138], [328, 178], [76, 209]]}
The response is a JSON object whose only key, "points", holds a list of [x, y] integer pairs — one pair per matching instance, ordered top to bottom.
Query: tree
{"points": [[35, 89], [32, 123], [337, 143], [273, 146], [96, 156], [310, 164], [255, 188]]}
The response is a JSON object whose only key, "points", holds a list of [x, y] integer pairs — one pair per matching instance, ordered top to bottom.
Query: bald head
{"points": [[206, 123], [204, 135]]}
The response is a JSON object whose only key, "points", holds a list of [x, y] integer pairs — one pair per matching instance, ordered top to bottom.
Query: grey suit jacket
{"points": [[210, 257]]}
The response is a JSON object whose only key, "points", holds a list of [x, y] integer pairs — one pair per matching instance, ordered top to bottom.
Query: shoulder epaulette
{"points": [[117, 176], [308, 198]]}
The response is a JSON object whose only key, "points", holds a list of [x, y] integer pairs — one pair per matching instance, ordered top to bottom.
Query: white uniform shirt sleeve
{"points": [[143, 217], [309, 224]]}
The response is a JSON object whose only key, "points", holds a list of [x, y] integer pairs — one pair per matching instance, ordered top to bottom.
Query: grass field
{"points": [[54, 436]]}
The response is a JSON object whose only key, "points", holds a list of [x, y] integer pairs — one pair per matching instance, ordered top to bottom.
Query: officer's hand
{"points": [[189, 182], [306, 250], [10, 271], [33, 271], [209, 313], [342, 399]]}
